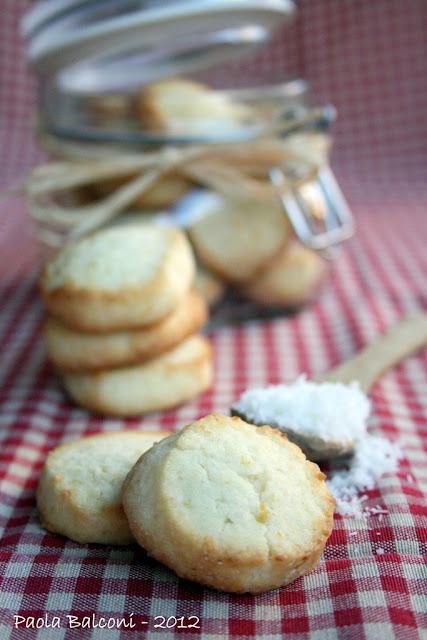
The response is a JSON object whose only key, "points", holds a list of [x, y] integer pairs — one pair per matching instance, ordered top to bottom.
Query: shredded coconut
{"points": [[328, 410], [332, 411], [373, 457]]}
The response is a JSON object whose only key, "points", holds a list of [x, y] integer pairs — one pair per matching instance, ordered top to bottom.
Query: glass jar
{"points": [[92, 58], [96, 63]]}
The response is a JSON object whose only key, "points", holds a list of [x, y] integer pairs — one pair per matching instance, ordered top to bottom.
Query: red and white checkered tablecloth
{"points": [[368, 58]]}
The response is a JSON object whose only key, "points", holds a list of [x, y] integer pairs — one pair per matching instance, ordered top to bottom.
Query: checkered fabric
{"points": [[369, 58]]}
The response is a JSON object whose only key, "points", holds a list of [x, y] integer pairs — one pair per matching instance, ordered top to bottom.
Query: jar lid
{"points": [[96, 46]]}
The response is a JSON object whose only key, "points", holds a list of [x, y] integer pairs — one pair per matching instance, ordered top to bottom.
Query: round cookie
{"points": [[184, 107], [165, 192], [313, 199], [238, 238], [119, 278], [291, 280], [210, 287], [73, 351], [162, 383], [78, 494], [230, 505]]}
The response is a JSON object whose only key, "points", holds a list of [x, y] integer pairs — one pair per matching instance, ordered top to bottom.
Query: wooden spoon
{"points": [[402, 340]]}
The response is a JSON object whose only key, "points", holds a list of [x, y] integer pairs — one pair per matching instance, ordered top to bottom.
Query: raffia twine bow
{"points": [[236, 170]]}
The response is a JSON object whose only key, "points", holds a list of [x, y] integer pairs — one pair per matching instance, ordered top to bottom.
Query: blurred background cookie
{"points": [[185, 107], [165, 191], [313, 199], [238, 238], [291, 280], [209, 286], [78, 494]]}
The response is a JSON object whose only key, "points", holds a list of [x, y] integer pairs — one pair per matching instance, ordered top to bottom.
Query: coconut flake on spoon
{"points": [[328, 417], [324, 419]]}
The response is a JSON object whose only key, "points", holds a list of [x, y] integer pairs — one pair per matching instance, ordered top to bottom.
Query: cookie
{"points": [[184, 107], [109, 110], [165, 192], [313, 199], [238, 238], [119, 278], [291, 280], [209, 286], [73, 351], [162, 383], [78, 494], [230, 505]]}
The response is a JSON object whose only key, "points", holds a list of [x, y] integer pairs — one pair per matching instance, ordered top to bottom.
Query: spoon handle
{"points": [[403, 339]]}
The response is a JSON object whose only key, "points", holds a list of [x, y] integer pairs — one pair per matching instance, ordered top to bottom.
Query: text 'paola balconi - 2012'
{"points": [[95, 621]]}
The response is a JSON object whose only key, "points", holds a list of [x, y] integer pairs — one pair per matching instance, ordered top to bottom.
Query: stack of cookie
{"points": [[124, 319]]}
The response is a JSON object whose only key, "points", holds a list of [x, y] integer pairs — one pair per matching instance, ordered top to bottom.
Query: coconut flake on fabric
{"points": [[328, 409], [373, 457]]}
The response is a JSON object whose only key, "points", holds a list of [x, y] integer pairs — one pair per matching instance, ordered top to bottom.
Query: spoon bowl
{"points": [[365, 368], [315, 448]]}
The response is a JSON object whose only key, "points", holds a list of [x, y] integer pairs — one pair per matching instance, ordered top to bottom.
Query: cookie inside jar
{"points": [[145, 127]]}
